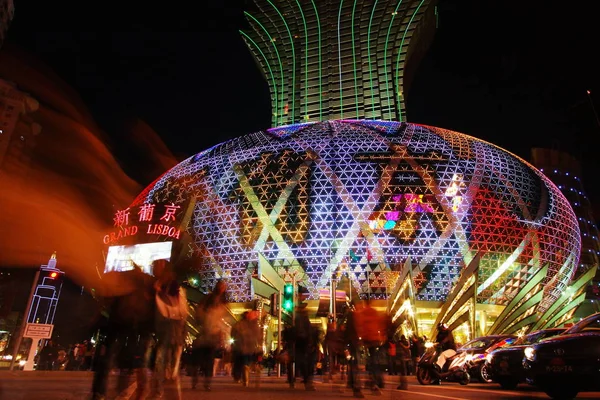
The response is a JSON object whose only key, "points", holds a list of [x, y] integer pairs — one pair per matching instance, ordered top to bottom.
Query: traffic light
{"points": [[52, 277], [288, 297]]}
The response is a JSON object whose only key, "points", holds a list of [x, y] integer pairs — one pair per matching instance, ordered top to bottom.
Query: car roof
{"points": [[547, 330], [505, 336]]}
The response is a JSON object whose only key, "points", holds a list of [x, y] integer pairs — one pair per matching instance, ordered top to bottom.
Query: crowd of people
{"points": [[144, 334], [362, 337], [144, 338], [74, 357]]}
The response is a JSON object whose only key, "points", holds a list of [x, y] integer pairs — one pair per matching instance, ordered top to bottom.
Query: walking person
{"points": [[210, 315], [171, 316], [372, 329], [127, 334], [247, 336], [306, 346], [334, 346], [415, 347], [391, 352], [351, 354], [47, 356], [287, 356], [405, 358], [195, 360]]}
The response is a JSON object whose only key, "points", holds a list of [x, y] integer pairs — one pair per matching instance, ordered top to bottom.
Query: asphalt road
{"points": [[42, 385]]}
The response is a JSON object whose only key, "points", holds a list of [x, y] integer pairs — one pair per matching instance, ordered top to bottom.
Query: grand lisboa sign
{"points": [[365, 197]]}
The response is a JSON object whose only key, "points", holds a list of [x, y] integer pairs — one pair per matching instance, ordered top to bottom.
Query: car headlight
{"points": [[530, 353], [489, 358]]}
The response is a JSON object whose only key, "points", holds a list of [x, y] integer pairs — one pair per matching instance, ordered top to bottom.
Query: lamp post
{"points": [[279, 331]]}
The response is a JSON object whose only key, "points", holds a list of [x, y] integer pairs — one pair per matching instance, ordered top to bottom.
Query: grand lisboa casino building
{"points": [[429, 223]]}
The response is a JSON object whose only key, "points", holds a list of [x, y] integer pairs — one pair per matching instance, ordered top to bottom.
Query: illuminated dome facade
{"points": [[364, 197]]}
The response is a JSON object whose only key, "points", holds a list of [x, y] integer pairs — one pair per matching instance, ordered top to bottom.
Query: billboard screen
{"points": [[124, 258]]}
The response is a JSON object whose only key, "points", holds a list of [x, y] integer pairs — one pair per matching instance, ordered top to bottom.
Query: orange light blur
{"points": [[64, 196]]}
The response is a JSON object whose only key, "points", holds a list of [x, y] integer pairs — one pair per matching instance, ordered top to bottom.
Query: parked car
{"points": [[479, 348], [567, 364], [505, 365]]}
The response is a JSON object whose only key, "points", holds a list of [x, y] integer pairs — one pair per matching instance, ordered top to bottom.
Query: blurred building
{"points": [[7, 10], [332, 59], [17, 128]]}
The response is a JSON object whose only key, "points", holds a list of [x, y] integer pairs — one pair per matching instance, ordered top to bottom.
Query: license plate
{"points": [[559, 368], [503, 370]]}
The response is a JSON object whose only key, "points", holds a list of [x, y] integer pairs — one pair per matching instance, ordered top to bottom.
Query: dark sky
{"points": [[513, 73]]}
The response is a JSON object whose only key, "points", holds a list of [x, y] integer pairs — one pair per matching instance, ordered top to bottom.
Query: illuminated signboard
{"points": [[145, 222], [125, 258]]}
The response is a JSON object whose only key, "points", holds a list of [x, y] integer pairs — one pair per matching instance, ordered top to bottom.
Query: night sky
{"points": [[516, 77]]}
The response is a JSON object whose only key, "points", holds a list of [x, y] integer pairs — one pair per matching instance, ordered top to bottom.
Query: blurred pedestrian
{"points": [[210, 315], [170, 319], [372, 329], [126, 335], [248, 337], [306, 346], [334, 346], [417, 346], [391, 352], [351, 353], [287, 355], [47, 356], [405, 356], [62, 359], [227, 362]]}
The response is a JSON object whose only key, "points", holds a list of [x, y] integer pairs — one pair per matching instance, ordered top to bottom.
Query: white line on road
{"points": [[501, 392], [127, 393], [425, 394]]}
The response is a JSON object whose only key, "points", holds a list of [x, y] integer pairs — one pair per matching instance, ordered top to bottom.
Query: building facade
{"points": [[7, 11], [336, 59], [565, 171], [373, 201], [432, 225]]}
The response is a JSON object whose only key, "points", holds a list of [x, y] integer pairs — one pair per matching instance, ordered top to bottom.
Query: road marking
{"points": [[501, 392], [127, 393], [425, 394]]}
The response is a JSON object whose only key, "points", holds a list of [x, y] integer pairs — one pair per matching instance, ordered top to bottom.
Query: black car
{"points": [[478, 348], [567, 364], [505, 365]]}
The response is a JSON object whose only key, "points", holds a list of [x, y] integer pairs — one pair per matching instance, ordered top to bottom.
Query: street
{"points": [[44, 385]]}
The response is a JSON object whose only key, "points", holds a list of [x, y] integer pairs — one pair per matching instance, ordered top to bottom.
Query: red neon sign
{"points": [[145, 213]]}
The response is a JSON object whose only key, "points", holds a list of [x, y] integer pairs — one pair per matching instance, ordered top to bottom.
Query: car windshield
{"points": [[591, 323], [535, 337], [479, 343], [503, 343]]}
